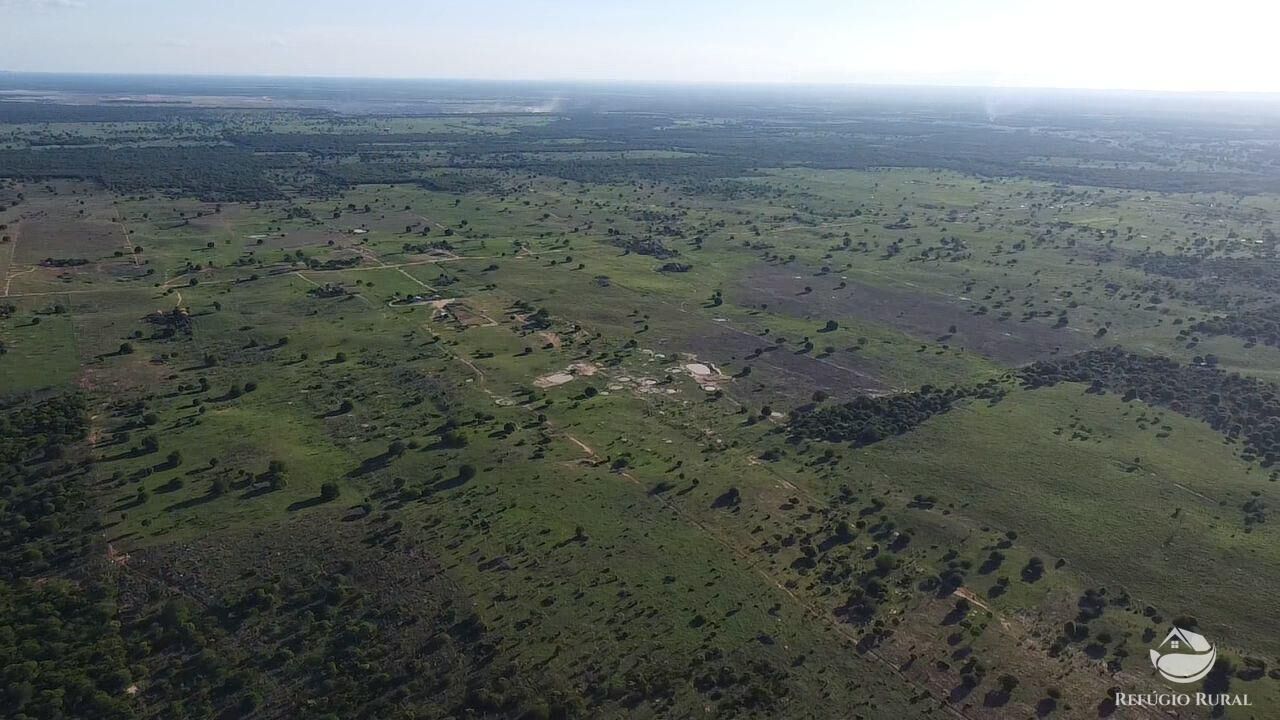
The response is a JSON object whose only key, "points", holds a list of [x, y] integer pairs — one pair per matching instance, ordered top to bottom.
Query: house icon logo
{"points": [[1184, 656]]}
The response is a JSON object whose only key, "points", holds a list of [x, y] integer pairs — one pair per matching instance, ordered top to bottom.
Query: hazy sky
{"points": [[1129, 44]]}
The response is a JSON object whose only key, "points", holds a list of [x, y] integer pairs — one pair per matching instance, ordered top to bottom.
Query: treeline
{"points": [[31, 112], [869, 142], [339, 143], [472, 145], [737, 149], [241, 168], [613, 170], [403, 172], [465, 173], [212, 174], [650, 246], [1179, 267], [1261, 273], [1254, 326], [1242, 408], [868, 419]]}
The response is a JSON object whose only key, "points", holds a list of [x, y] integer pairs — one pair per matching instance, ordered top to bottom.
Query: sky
{"points": [[1167, 45]]}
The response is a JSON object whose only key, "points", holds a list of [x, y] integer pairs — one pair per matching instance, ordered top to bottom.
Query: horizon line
{"points": [[773, 84]]}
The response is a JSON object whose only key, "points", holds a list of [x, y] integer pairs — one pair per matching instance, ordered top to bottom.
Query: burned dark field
{"points": [[552, 402]]}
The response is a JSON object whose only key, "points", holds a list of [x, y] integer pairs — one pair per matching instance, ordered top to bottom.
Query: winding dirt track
{"points": [[124, 230], [13, 252]]}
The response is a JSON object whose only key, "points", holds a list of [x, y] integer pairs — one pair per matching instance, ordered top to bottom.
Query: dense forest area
{"points": [[861, 141], [214, 174], [867, 419], [44, 513]]}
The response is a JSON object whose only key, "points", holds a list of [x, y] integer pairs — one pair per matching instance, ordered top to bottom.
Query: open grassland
{"points": [[1128, 495]]}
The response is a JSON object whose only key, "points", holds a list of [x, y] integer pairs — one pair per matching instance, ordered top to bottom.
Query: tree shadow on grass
{"points": [[134, 452], [373, 464], [452, 483], [256, 490], [192, 502], [309, 503], [128, 504], [961, 691], [996, 698]]}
